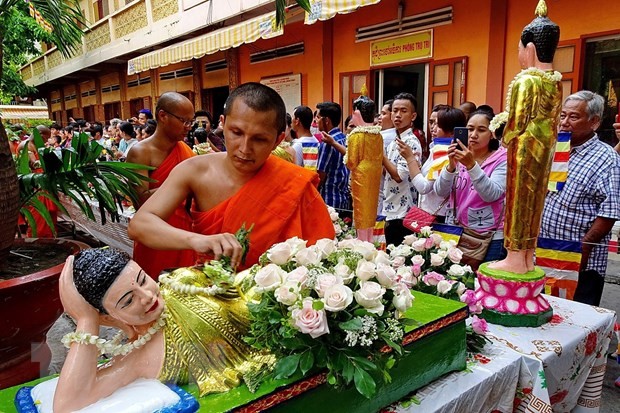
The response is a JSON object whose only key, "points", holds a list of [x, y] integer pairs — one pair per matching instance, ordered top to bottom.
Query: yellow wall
{"points": [[308, 64], [215, 78], [179, 85]]}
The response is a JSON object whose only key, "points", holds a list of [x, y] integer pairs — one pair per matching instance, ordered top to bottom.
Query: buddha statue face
{"points": [[134, 297]]}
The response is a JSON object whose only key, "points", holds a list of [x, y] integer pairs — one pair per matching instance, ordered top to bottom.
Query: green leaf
{"points": [[318, 305], [354, 324], [306, 362], [364, 363], [287, 366], [364, 383]]}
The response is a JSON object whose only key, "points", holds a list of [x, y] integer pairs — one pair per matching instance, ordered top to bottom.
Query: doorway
{"points": [[602, 75], [394, 80], [213, 100]]}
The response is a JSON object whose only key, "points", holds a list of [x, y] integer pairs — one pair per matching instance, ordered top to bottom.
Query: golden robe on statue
{"points": [[534, 100], [365, 160], [203, 337]]}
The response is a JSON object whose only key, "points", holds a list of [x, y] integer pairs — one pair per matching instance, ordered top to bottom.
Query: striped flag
{"points": [[439, 155], [559, 168], [379, 232], [448, 232], [561, 261]]}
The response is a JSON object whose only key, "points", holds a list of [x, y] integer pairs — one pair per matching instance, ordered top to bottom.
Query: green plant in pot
{"points": [[29, 304]]}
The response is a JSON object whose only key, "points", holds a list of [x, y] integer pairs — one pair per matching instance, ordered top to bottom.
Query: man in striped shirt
{"points": [[306, 146], [334, 186], [588, 205]]}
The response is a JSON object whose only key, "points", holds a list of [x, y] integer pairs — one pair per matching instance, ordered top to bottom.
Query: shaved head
{"points": [[170, 101]]}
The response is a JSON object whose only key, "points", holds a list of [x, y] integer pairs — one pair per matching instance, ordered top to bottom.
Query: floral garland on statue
{"points": [[554, 76], [498, 120], [370, 129], [113, 347]]}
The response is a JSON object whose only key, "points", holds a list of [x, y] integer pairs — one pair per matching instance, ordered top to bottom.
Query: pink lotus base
{"points": [[515, 297]]}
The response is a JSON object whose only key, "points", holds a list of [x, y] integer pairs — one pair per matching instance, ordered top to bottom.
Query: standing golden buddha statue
{"points": [[533, 103]]}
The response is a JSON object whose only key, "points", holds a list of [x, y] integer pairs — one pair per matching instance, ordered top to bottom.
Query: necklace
{"points": [[182, 288], [113, 347]]}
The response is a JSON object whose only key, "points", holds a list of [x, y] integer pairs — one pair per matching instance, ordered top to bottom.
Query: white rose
{"points": [[333, 215], [337, 229], [426, 231], [410, 239], [437, 240], [348, 243], [296, 244], [419, 245], [445, 245], [325, 246], [367, 250], [401, 251], [280, 253], [443, 254], [455, 255], [308, 256], [382, 258], [418, 260], [436, 260], [398, 261], [365, 270], [456, 270], [343, 271], [298, 275], [386, 275], [407, 276], [269, 277], [325, 281], [443, 287], [460, 289], [288, 293], [369, 296], [337, 298], [403, 299]]}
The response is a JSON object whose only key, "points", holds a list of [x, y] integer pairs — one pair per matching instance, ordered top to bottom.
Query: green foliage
{"points": [[281, 9], [76, 173]]}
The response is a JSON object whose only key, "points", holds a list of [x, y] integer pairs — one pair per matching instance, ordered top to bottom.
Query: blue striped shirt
{"points": [[335, 189], [592, 190]]}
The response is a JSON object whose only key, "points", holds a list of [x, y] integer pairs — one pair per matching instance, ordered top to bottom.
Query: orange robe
{"points": [[281, 201], [43, 230], [154, 261]]}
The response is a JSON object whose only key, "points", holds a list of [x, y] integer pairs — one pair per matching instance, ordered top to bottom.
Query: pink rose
{"points": [[437, 239], [429, 243], [419, 245], [455, 255], [418, 260], [398, 261], [416, 269], [299, 275], [432, 278], [325, 281], [469, 298], [310, 321], [479, 325]]}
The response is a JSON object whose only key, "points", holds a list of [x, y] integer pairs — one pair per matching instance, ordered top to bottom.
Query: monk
{"points": [[164, 150], [245, 185]]}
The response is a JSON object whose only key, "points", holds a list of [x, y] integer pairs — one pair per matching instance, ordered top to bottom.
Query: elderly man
{"points": [[243, 186], [589, 204]]}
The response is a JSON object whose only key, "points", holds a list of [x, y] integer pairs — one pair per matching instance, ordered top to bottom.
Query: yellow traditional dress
{"points": [[534, 100], [365, 160], [203, 337]]}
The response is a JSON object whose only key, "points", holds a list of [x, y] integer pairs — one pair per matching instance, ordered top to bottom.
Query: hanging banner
{"points": [[414, 46]]}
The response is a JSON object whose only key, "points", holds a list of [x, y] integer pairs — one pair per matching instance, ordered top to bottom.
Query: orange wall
{"points": [[576, 18], [309, 64]]}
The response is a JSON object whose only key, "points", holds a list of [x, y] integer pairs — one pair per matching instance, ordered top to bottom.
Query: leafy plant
{"points": [[76, 173]]}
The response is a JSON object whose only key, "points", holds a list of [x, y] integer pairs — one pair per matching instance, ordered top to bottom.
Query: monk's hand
{"points": [[220, 245], [74, 304]]}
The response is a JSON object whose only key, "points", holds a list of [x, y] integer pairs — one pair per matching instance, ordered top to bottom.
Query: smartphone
{"points": [[461, 133]]}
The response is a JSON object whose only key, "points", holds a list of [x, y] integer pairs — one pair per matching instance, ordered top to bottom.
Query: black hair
{"points": [[544, 34], [409, 97], [259, 98], [389, 104], [366, 107], [439, 107], [484, 108], [332, 111], [206, 114], [305, 116], [450, 118], [289, 120], [347, 121], [55, 126], [150, 126], [96, 128], [68, 129], [128, 129], [201, 135], [493, 143], [94, 272]]}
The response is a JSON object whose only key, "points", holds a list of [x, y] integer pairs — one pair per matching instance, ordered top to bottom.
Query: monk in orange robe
{"points": [[164, 150], [245, 185]]}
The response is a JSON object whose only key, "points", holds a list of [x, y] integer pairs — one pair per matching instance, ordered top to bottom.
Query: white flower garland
{"points": [[554, 76], [498, 120], [367, 129], [190, 289], [112, 347]]}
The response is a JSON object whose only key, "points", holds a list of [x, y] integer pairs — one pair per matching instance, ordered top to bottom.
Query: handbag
{"points": [[417, 218]]}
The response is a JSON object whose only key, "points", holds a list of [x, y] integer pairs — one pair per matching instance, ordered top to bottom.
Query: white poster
{"points": [[289, 87]]}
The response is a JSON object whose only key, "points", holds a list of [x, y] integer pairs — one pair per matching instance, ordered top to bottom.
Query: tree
{"points": [[281, 9], [66, 19]]}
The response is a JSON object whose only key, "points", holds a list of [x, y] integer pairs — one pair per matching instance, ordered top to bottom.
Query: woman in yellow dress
{"points": [[364, 157]]}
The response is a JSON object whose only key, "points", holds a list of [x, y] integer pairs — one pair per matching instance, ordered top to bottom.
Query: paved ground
{"points": [[611, 300]]}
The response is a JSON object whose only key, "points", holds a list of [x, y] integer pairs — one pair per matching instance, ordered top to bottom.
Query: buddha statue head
{"points": [[542, 33], [366, 107]]}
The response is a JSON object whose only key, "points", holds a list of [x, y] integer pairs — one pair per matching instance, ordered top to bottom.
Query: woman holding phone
{"points": [[443, 120], [475, 181]]}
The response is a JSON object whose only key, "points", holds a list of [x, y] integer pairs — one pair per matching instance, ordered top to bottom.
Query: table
{"points": [[557, 367]]}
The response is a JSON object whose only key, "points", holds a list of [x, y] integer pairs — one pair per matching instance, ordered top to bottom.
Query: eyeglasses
{"points": [[183, 121]]}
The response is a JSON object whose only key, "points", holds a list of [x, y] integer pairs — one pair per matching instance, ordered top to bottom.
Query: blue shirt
{"points": [[335, 188], [592, 190]]}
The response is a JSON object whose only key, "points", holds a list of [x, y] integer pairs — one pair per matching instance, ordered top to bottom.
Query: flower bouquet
{"points": [[342, 227], [432, 265], [335, 305]]}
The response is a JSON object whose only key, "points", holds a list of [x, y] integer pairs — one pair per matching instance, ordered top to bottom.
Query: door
{"points": [[447, 82]]}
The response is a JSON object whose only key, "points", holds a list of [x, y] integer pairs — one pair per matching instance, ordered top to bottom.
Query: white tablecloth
{"points": [[557, 367]]}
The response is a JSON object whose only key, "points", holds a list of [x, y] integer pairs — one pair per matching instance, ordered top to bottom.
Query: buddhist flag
{"points": [[439, 156], [559, 168], [379, 232], [448, 232], [560, 260]]}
